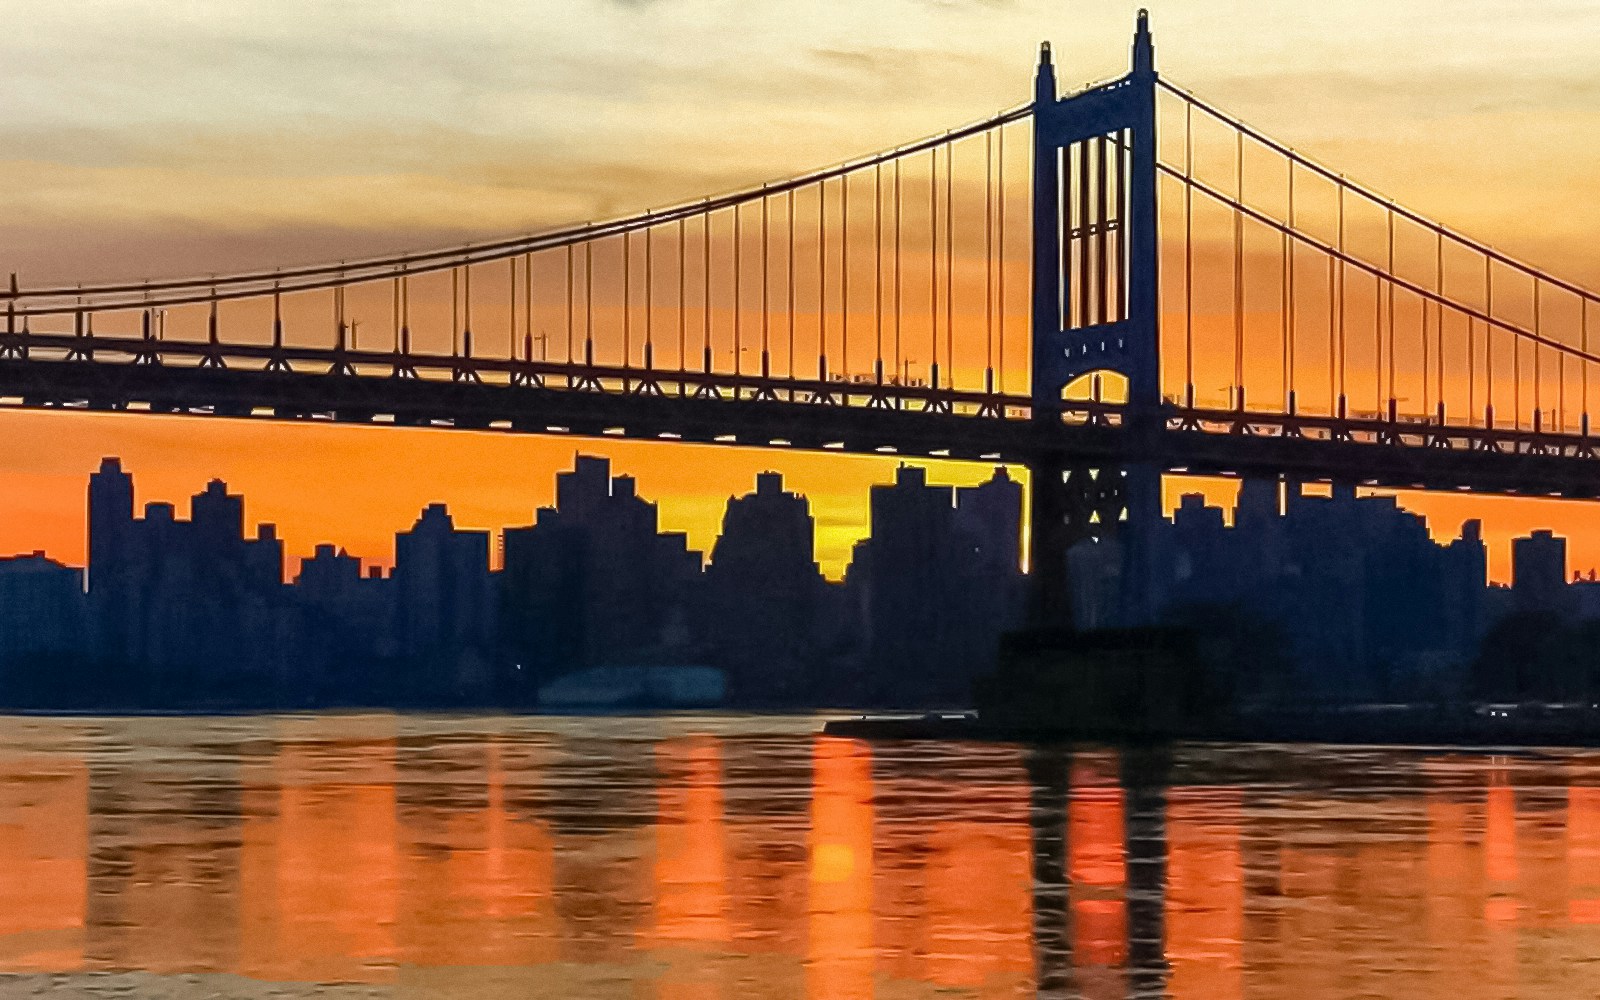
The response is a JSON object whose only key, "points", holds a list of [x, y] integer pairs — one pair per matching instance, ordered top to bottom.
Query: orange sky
{"points": [[287, 133]]}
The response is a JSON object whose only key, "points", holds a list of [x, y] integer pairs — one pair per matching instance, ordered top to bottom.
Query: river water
{"points": [[732, 857]]}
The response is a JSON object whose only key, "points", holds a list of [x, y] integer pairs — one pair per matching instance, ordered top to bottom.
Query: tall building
{"points": [[110, 556], [1539, 572], [593, 581], [938, 581], [763, 592], [444, 599], [179, 603], [1368, 604], [42, 612], [344, 636]]}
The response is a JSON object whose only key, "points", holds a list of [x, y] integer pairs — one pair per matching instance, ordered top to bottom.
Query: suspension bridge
{"points": [[1106, 286]]}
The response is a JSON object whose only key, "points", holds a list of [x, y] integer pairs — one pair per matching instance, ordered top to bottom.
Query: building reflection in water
{"points": [[44, 841], [1583, 855], [449, 858], [320, 860], [690, 894], [839, 943]]}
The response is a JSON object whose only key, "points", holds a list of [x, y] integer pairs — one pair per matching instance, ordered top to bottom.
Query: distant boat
{"points": [[613, 688]]}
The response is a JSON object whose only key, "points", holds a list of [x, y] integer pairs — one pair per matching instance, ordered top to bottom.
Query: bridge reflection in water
{"points": [[749, 858]]}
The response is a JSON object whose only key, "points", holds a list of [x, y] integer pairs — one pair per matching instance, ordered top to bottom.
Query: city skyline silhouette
{"points": [[1433, 171]]}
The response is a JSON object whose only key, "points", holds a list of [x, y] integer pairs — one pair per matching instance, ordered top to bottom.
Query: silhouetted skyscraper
{"points": [[110, 521], [111, 557], [1539, 572], [593, 581], [938, 583], [762, 591], [444, 598], [42, 609]]}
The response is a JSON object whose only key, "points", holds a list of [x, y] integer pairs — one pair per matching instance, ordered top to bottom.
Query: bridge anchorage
{"points": [[1156, 288]]}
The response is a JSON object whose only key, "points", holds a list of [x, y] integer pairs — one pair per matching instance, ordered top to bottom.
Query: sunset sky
{"points": [[159, 139]]}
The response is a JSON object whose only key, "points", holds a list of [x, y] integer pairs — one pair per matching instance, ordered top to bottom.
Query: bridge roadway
{"points": [[121, 374]]}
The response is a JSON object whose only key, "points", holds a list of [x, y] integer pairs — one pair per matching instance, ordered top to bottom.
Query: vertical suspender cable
{"points": [[1188, 254], [1000, 259], [988, 260], [949, 262], [933, 266], [877, 269], [844, 276], [822, 280], [683, 287], [789, 289], [766, 290], [705, 295], [649, 297], [738, 297], [1289, 297], [627, 302], [588, 303], [1341, 303], [527, 305], [1389, 307], [1424, 307], [570, 312], [1438, 317], [1333, 323], [1488, 338], [1583, 338], [1378, 343], [1538, 354], [898, 367], [1472, 368], [1516, 380], [1286, 393], [1238, 400]]}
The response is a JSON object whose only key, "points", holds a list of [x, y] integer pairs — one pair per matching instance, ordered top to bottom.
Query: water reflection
{"points": [[726, 857]]}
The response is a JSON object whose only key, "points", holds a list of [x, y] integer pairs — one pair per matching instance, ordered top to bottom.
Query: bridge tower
{"points": [[1096, 322]]}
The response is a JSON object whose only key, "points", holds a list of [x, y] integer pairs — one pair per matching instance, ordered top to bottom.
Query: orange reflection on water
{"points": [[1500, 831], [44, 840], [1583, 855], [1096, 860], [319, 864], [1501, 868], [691, 877], [476, 880], [978, 885], [1453, 886], [1205, 894], [691, 897], [839, 948]]}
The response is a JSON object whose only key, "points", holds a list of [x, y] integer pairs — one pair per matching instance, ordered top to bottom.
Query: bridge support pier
{"points": [[1071, 503], [1139, 533], [1049, 538]]}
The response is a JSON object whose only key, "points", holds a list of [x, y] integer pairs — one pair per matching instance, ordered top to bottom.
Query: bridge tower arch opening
{"points": [[1095, 316]]}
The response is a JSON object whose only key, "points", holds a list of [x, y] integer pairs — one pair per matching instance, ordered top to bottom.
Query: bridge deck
{"points": [[351, 387]]}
